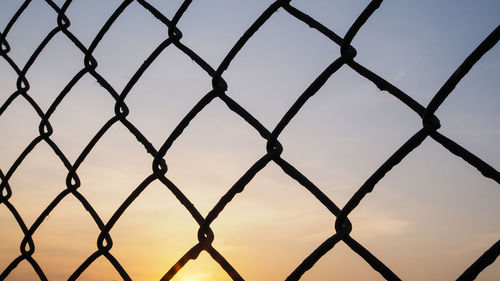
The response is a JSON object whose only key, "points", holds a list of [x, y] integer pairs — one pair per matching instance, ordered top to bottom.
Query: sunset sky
{"points": [[429, 218]]}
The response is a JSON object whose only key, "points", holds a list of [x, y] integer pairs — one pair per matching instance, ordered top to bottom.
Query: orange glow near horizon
{"points": [[429, 218]]}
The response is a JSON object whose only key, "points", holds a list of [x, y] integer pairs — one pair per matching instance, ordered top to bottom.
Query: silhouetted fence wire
{"points": [[430, 126]]}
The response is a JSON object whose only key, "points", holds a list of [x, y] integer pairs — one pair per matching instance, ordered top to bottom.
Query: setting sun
{"points": [[195, 277]]}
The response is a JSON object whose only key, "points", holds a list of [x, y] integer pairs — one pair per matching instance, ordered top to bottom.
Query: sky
{"points": [[429, 218]]}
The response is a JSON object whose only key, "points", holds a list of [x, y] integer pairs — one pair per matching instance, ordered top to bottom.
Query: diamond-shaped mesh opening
{"points": [[167, 8], [8, 10], [340, 13], [86, 20], [223, 23], [30, 30], [387, 40], [65, 62], [277, 65], [119, 67], [173, 85], [8, 86], [470, 115], [341, 122], [73, 126], [16, 138], [208, 158], [112, 170], [36, 182], [307, 222], [431, 224], [10, 232], [62, 241], [161, 241], [342, 264], [204, 268], [100, 269], [24, 271]]}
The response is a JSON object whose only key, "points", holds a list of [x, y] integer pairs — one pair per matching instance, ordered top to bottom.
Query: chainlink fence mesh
{"points": [[429, 130]]}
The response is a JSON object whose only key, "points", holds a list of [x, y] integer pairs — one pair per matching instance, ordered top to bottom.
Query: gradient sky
{"points": [[428, 219]]}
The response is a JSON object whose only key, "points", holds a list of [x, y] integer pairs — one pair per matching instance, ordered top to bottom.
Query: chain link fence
{"points": [[429, 130]]}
